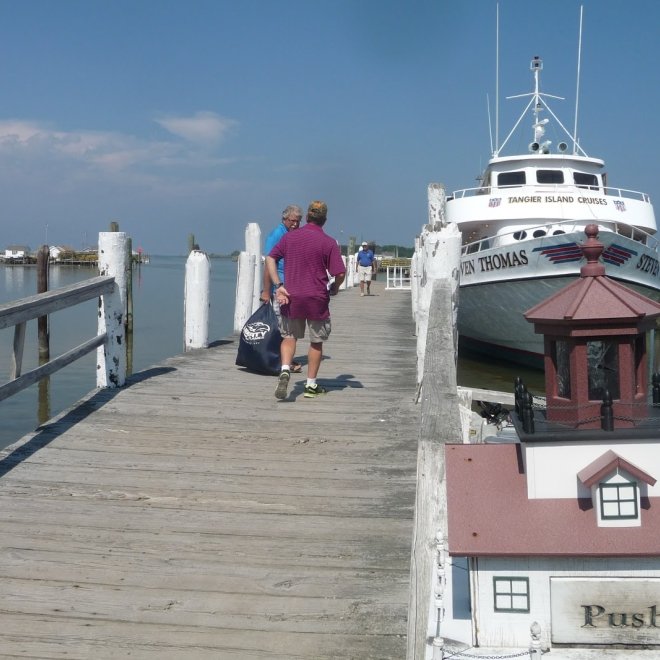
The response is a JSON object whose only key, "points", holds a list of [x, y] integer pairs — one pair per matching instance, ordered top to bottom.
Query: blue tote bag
{"points": [[259, 344]]}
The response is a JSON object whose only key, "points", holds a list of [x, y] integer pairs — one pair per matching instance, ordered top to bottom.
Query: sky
{"points": [[175, 117]]}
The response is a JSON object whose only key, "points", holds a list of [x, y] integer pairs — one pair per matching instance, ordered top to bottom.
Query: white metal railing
{"points": [[608, 191], [398, 277]]}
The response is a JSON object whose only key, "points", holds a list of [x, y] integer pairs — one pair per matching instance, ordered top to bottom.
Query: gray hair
{"points": [[292, 210]]}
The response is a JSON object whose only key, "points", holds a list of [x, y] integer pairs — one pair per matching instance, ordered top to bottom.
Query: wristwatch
{"points": [[277, 286]]}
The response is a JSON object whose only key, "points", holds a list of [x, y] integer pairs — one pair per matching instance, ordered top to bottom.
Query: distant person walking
{"points": [[291, 217], [310, 256], [365, 264]]}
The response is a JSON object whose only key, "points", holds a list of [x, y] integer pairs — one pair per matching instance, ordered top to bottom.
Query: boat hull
{"points": [[499, 285]]}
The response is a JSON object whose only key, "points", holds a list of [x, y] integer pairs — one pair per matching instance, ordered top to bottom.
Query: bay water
{"points": [[158, 331], [158, 334]]}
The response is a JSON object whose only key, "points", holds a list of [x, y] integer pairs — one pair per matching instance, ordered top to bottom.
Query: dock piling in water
{"points": [[196, 301], [111, 357]]}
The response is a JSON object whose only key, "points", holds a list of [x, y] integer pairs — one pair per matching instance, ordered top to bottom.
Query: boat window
{"points": [[549, 176], [511, 179], [583, 180], [557, 232], [538, 233], [520, 235]]}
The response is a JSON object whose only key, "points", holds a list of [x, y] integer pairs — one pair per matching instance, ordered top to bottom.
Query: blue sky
{"points": [[175, 117]]}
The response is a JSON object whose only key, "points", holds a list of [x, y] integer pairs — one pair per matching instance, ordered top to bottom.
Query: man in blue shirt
{"points": [[291, 217], [365, 267]]}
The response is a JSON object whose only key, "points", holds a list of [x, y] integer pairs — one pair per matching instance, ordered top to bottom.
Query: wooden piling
{"points": [[253, 247], [43, 256], [196, 301], [111, 357], [440, 425]]}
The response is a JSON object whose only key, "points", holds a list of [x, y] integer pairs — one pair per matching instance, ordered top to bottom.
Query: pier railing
{"points": [[398, 277], [110, 288], [19, 312]]}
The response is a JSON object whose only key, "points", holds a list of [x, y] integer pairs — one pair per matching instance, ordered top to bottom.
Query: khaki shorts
{"points": [[364, 273], [319, 331]]}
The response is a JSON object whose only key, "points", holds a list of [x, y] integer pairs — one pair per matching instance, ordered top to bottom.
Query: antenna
{"points": [[497, 79], [577, 88], [490, 126]]}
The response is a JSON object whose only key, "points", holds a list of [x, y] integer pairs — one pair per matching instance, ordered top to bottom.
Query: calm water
{"points": [[157, 322], [158, 334]]}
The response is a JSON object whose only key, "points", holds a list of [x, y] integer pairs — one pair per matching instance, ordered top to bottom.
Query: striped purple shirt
{"points": [[309, 255]]}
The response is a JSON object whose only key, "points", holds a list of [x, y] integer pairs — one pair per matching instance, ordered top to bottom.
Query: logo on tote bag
{"points": [[254, 332]]}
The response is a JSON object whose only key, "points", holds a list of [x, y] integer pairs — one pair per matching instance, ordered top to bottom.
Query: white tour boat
{"points": [[522, 229]]}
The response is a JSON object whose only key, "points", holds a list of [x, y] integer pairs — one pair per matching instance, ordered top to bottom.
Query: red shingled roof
{"points": [[489, 513]]}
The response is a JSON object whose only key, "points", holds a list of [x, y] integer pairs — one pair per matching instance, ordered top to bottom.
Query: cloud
{"points": [[203, 128], [26, 144]]}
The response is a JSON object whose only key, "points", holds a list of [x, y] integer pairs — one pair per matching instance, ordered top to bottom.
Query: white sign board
{"points": [[606, 610]]}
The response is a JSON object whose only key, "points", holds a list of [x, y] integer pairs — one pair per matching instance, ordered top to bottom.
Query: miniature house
{"points": [[560, 527]]}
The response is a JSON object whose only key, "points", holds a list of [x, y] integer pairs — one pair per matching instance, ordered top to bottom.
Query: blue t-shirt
{"points": [[271, 241], [365, 257]]}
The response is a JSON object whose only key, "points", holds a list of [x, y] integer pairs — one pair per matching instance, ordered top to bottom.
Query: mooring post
{"points": [[253, 247], [43, 256], [244, 290], [196, 301], [111, 357]]}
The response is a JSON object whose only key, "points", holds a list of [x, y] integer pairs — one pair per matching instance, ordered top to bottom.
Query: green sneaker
{"points": [[282, 385], [312, 391]]}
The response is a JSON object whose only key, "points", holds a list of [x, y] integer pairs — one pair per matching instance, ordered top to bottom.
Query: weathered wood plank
{"points": [[192, 515]]}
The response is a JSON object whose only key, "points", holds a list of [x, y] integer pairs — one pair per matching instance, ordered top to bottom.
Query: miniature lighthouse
{"points": [[595, 348]]}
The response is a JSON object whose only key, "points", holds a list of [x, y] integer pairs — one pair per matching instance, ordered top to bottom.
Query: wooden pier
{"points": [[193, 515]]}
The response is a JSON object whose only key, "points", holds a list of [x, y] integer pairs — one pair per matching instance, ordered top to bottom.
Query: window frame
{"points": [[550, 177], [611, 486], [511, 579]]}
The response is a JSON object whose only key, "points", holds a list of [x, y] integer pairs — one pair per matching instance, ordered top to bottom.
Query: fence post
{"points": [[244, 290], [196, 299], [111, 357], [535, 650]]}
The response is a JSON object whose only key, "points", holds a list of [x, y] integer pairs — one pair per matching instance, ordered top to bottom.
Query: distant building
{"points": [[16, 251], [55, 252]]}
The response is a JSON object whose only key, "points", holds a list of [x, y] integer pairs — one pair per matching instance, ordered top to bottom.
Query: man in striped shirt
{"points": [[310, 258]]}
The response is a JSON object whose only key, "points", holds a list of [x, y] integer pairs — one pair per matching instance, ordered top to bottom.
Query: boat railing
{"points": [[556, 188], [567, 226]]}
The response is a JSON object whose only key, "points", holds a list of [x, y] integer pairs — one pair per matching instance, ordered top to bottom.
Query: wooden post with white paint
{"points": [[253, 247], [439, 257], [414, 279], [244, 290], [196, 301], [111, 357], [440, 425]]}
